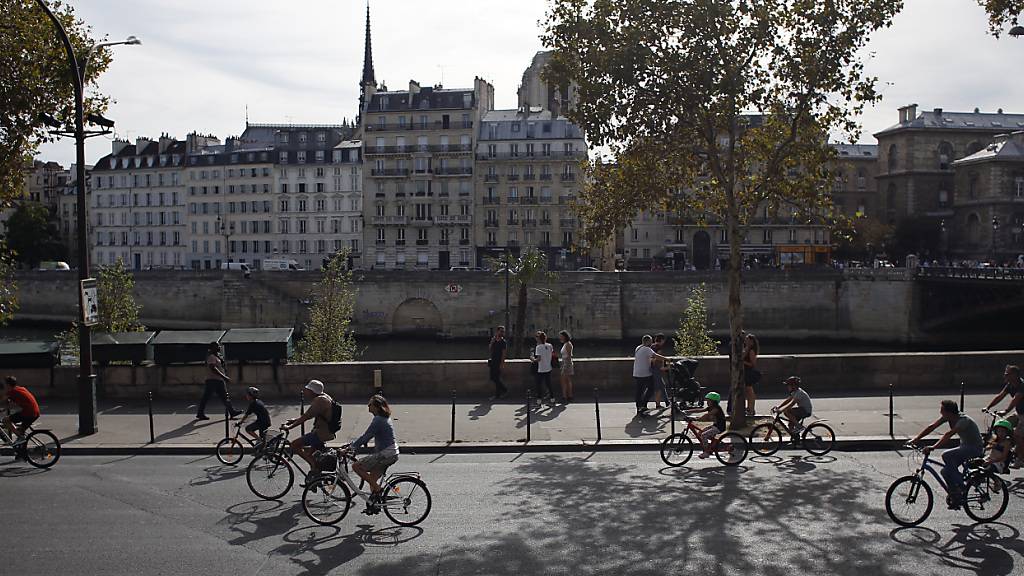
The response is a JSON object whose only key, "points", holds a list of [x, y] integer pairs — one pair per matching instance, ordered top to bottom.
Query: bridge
{"points": [[952, 298]]}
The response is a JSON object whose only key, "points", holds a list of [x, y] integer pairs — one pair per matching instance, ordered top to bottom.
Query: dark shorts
{"points": [[751, 376], [799, 413], [22, 420], [257, 426], [313, 441], [377, 462]]}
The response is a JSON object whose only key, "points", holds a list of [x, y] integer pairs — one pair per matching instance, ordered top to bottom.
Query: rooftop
{"points": [[939, 119], [1003, 147], [856, 150]]}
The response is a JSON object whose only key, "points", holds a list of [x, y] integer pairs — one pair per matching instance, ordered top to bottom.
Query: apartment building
{"points": [[527, 165], [854, 184], [67, 211]]}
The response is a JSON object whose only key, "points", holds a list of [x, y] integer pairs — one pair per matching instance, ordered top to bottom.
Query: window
{"points": [[283, 158], [893, 159], [972, 185], [1019, 187], [792, 235], [766, 237]]}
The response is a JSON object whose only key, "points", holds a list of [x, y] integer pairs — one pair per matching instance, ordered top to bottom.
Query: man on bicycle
{"points": [[1014, 388], [23, 406], [797, 406], [319, 412], [971, 446]]}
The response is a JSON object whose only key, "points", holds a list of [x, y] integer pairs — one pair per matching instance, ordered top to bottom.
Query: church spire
{"points": [[368, 76]]}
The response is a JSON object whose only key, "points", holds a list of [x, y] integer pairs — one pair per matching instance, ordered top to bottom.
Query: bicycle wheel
{"points": [[765, 439], [818, 439], [41, 449], [731, 449], [676, 450], [230, 451], [270, 477], [986, 496], [326, 501], [406, 501], [909, 501]]}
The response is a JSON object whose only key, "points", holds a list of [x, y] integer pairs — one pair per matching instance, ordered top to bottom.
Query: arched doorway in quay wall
{"points": [[417, 316]]}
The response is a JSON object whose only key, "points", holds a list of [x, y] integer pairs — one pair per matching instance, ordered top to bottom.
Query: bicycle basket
{"points": [[914, 459], [326, 461]]}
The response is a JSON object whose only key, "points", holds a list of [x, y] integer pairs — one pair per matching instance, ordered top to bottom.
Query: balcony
{"points": [[435, 125], [451, 148], [382, 150], [453, 171], [389, 172], [529, 176], [545, 176], [568, 176], [513, 177], [491, 178], [513, 199], [546, 199], [566, 199], [491, 200], [528, 200], [454, 219], [379, 220], [396, 220], [545, 221], [423, 222], [512, 222], [567, 222], [490, 223], [529, 223], [443, 241], [382, 242], [399, 242], [421, 242], [464, 242], [513, 242], [492, 243]]}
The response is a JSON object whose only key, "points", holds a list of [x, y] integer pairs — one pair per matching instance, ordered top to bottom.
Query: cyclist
{"points": [[1014, 388], [797, 406], [259, 409], [319, 411], [24, 412], [712, 413], [971, 446], [385, 447], [999, 447]]}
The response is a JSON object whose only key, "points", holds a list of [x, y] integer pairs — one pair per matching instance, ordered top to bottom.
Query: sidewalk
{"points": [[480, 426]]}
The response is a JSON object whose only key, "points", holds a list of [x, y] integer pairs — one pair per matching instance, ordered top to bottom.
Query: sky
{"points": [[203, 63]]}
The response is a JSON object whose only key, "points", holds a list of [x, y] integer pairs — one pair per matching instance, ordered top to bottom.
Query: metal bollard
{"points": [[961, 396], [529, 402], [302, 410], [672, 411], [227, 413], [597, 414], [453, 416], [891, 434], [152, 437]]}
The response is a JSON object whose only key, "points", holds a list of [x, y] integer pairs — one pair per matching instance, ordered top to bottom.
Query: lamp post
{"points": [[1017, 31], [222, 227], [995, 229], [942, 240], [508, 263], [86, 379]]}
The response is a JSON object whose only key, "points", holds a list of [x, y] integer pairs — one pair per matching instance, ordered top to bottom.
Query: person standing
{"points": [[498, 351], [542, 358], [566, 368], [658, 373], [642, 374], [751, 375], [216, 382]]}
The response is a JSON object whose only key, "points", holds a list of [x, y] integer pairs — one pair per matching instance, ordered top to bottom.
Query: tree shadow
{"points": [[185, 429], [982, 548], [322, 549]]}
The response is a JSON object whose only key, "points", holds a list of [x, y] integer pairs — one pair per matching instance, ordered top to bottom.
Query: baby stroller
{"points": [[686, 390]]}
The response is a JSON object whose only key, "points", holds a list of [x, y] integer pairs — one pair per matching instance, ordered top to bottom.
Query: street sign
{"points": [[453, 288], [89, 302]]}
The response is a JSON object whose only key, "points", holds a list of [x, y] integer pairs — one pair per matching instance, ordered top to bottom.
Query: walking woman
{"points": [[541, 356], [566, 365], [751, 375]]}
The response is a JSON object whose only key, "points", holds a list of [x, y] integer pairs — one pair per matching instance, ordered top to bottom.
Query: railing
{"points": [[435, 125], [451, 148], [374, 150], [457, 171], [389, 172], [529, 176], [545, 176], [568, 176], [513, 177], [491, 178], [513, 199], [545, 199], [566, 199], [528, 200], [492, 201], [454, 219], [420, 222], [511, 222], [567, 222], [490, 223], [529, 223], [968, 273], [897, 274]]}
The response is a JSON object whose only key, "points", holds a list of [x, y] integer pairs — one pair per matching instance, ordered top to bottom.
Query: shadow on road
{"points": [[213, 474], [330, 548], [984, 549]]}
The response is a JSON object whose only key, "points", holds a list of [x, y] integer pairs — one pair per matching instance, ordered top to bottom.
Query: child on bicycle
{"points": [[259, 409], [712, 413], [999, 447]]}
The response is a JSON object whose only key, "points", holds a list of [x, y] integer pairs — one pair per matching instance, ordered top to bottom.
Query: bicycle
{"points": [[818, 438], [39, 447], [730, 448], [231, 450], [271, 474], [404, 497], [909, 499]]}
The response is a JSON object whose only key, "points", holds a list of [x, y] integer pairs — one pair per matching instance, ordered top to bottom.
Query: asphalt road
{"points": [[500, 514]]}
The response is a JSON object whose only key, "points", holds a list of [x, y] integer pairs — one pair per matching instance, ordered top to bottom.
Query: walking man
{"points": [[496, 361], [642, 373], [216, 382]]}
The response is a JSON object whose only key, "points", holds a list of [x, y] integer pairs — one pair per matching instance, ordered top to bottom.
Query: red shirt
{"points": [[23, 398]]}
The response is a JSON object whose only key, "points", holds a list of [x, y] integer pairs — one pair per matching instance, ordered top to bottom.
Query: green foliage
{"points": [[1002, 13], [32, 237], [525, 271], [8, 287], [115, 289], [328, 336], [693, 338]]}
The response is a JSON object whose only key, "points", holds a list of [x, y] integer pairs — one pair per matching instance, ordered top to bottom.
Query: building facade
{"points": [[854, 184]]}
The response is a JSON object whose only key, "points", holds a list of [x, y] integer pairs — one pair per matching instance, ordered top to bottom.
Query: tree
{"points": [[1002, 13], [714, 109], [32, 236], [864, 238], [526, 270], [8, 289], [115, 289], [328, 336], [693, 338]]}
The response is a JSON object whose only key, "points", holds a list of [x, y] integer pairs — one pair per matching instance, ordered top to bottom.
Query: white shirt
{"points": [[543, 354], [642, 361]]}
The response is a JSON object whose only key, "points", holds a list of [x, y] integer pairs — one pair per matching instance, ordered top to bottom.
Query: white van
{"points": [[272, 264], [54, 266], [236, 266]]}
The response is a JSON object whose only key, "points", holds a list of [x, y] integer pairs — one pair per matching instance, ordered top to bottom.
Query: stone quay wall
{"points": [[592, 306], [822, 374]]}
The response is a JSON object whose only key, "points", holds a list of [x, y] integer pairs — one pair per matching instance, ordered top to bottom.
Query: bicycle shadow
{"points": [[646, 426], [190, 428], [13, 470], [213, 474], [709, 477], [269, 518], [983, 548], [330, 551]]}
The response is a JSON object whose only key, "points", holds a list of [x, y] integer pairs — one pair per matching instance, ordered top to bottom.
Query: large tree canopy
{"points": [[1002, 13], [32, 236]]}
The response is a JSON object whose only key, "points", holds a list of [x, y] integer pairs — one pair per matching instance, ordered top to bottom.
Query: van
{"points": [[281, 264], [54, 266], [236, 266]]}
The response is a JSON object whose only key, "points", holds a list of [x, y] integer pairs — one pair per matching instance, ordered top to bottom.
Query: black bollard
{"points": [[961, 396], [529, 398], [302, 410], [672, 411], [227, 413], [597, 413], [453, 416], [891, 435], [152, 437]]}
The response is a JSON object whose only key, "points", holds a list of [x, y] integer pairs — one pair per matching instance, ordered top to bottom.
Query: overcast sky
{"points": [[202, 62]]}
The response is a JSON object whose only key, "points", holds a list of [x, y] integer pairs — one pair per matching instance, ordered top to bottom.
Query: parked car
{"points": [[280, 264], [53, 266], [236, 266], [587, 269]]}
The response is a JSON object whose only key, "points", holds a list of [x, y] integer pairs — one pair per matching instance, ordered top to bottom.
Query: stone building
{"points": [[536, 92], [526, 179], [854, 187], [988, 204], [138, 205], [67, 211]]}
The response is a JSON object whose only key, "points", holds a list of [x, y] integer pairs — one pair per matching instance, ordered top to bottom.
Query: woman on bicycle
{"points": [[712, 413], [385, 447]]}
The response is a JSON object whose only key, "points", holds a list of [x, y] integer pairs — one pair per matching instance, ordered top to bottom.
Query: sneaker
{"points": [[202, 417], [703, 455], [1016, 465], [311, 477], [953, 502]]}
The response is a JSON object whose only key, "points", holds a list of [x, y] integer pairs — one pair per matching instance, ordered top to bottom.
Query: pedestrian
{"points": [[497, 349], [541, 357], [642, 357], [566, 370], [658, 373], [751, 375], [216, 382]]}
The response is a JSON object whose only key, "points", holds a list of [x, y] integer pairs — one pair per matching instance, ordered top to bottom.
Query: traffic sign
{"points": [[453, 288], [89, 302]]}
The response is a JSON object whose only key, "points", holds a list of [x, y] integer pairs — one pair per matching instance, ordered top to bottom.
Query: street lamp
{"points": [[1017, 31], [222, 228], [995, 229], [942, 240], [86, 379]]}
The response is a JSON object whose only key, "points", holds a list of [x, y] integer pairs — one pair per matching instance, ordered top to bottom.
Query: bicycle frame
{"points": [[691, 427], [929, 465]]}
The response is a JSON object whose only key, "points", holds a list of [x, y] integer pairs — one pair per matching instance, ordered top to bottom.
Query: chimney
{"points": [[414, 87], [556, 104], [1000, 111], [938, 112], [908, 113], [165, 143], [140, 144], [117, 145]]}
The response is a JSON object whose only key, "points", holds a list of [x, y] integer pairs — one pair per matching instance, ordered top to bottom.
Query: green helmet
{"points": [[714, 396], [1004, 423]]}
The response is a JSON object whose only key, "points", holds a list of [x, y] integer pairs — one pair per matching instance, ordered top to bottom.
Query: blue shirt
{"points": [[382, 432]]}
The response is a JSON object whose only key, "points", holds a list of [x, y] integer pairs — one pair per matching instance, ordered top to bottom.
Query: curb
{"points": [[847, 444]]}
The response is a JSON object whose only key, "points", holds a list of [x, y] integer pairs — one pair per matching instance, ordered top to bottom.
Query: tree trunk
{"points": [[518, 334], [737, 388]]}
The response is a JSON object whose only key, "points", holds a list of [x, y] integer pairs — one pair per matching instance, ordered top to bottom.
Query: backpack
{"points": [[334, 424]]}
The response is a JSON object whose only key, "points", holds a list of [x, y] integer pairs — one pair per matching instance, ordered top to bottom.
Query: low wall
{"points": [[848, 373]]}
